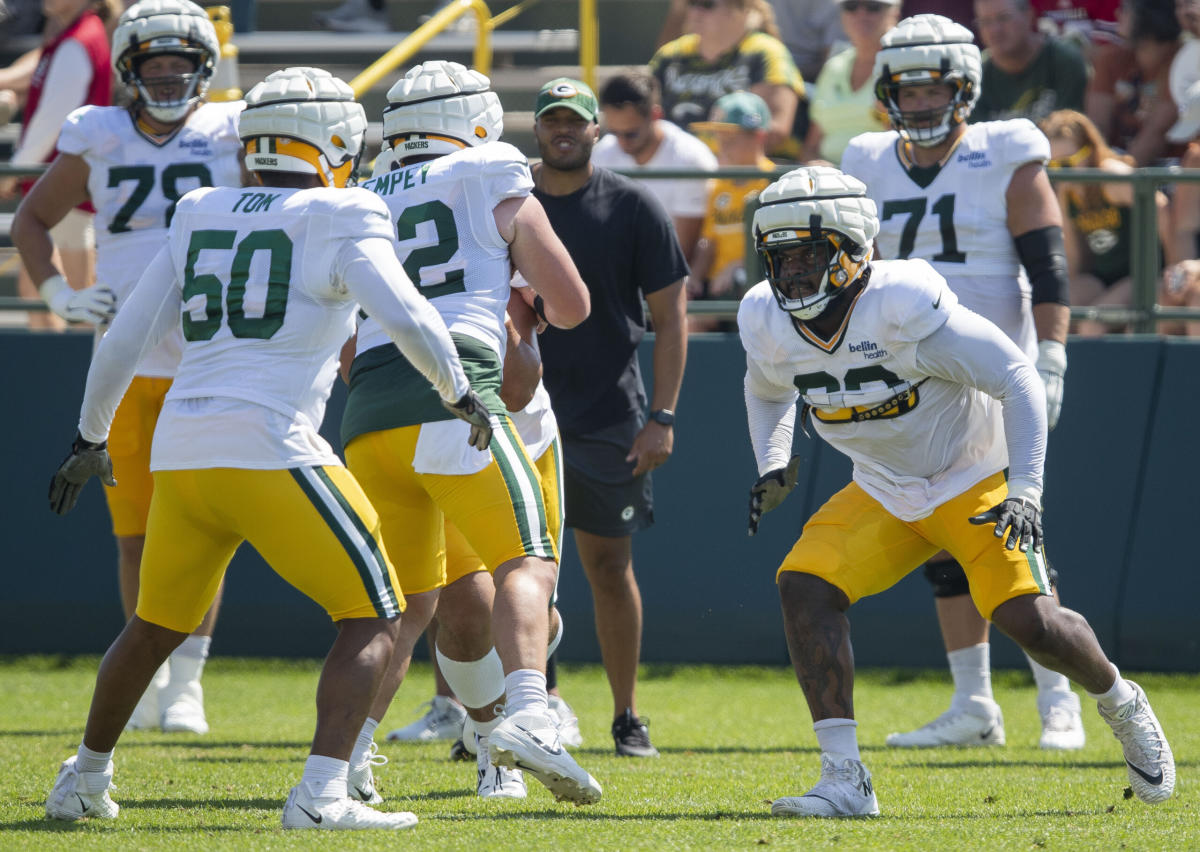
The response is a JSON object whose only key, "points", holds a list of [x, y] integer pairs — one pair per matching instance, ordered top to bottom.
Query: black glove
{"points": [[471, 409], [85, 461], [771, 489], [1022, 519]]}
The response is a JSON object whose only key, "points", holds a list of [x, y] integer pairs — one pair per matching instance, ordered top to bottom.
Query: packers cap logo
{"points": [[564, 90]]}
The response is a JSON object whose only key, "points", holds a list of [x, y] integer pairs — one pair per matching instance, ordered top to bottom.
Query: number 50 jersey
{"points": [[134, 182], [955, 216], [448, 241]]}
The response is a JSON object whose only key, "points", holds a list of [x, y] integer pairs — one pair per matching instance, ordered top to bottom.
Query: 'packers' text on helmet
{"points": [[165, 27], [924, 50], [438, 108], [304, 120], [814, 230]]}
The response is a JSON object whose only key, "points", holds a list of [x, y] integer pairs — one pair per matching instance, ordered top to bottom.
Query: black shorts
{"points": [[602, 495]]}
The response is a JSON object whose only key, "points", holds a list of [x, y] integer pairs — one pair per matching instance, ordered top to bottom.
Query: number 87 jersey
{"points": [[955, 214]]}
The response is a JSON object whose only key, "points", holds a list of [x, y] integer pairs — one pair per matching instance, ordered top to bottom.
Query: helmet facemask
{"points": [[190, 88], [929, 127], [809, 269]]}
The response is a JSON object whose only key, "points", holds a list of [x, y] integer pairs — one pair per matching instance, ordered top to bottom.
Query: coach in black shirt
{"points": [[624, 246]]}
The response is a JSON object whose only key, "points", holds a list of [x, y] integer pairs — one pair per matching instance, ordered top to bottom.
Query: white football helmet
{"points": [[157, 27], [921, 50], [438, 108], [304, 120], [828, 215]]}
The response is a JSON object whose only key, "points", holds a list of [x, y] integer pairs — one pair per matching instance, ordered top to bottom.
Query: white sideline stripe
{"points": [[531, 492], [347, 525]]}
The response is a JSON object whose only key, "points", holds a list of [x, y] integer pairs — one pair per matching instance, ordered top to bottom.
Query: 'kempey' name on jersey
{"points": [[398, 180]]}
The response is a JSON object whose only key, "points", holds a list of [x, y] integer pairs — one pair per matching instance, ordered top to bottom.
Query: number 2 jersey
{"points": [[134, 183], [956, 216], [264, 283], [907, 389]]}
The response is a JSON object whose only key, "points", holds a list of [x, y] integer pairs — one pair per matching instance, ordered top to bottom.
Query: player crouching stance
{"points": [[267, 282], [923, 396]]}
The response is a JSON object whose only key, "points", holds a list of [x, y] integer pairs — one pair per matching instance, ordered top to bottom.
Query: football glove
{"points": [[91, 304], [1052, 367], [471, 409], [85, 461], [771, 489], [1020, 517]]}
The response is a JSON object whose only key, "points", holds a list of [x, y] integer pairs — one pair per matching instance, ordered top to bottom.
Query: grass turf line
{"points": [[731, 739]]}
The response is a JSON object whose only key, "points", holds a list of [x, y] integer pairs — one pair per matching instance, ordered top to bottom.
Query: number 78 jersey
{"points": [[955, 216]]}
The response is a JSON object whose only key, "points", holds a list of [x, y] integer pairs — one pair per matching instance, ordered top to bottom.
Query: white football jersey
{"points": [[134, 183], [956, 216], [447, 237], [264, 313], [916, 441]]}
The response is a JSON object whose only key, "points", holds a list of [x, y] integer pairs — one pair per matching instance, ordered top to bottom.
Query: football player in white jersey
{"points": [[133, 163], [975, 202], [464, 213], [266, 281], [931, 402]]}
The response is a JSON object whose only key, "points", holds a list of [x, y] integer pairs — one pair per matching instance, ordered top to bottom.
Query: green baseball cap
{"points": [[565, 92], [743, 110]]}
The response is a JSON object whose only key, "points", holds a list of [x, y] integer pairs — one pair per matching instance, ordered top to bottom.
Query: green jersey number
{"points": [[143, 181], [914, 208], [442, 218], [279, 248]]}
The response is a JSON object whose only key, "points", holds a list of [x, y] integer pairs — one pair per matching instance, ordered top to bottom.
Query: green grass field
{"points": [[731, 740]]}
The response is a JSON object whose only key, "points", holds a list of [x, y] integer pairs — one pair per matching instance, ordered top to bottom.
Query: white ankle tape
{"points": [[479, 683]]}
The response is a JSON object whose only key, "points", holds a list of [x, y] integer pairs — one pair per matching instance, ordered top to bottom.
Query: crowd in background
{"points": [[1115, 85]]}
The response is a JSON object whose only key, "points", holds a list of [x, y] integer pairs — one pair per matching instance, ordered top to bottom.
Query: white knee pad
{"points": [[553, 646], [477, 683]]}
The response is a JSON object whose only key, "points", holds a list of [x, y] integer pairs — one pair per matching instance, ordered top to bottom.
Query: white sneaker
{"points": [[353, 16], [183, 708], [147, 715], [443, 721], [568, 722], [1062, 723], [979, 724], [529, 740], [1147, 753], [360, 782], [496, 782], [844, 790], [75, 795], [303, 811]]}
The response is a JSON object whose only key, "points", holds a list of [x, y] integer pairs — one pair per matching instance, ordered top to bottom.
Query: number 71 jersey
{"points": [[955, 216]]}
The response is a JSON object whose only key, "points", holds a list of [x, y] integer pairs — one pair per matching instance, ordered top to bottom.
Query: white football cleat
{"points": [[183, 708], [146, 715], [443, 721], [568, 722], [1062, 723], [979, 724], [529, 740], [1147, 754], [360, 780], [496, 782], [845, 790], [77, 795], [303, 811]]}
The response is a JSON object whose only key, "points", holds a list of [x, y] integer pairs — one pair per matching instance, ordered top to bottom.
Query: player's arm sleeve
{"points": [[65, 89], [374, 277], [150, 312], [969, 350], [771, 416]]}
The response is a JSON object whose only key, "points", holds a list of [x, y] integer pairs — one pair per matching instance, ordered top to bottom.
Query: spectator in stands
{"points": [[955, 10], [353, 16], [1088, 23], [811, 29], [732, 45], [72, 69], [1026, 73], [843, 100], [1130, 100], [737, 126], [638, 137], [1097, 235], [625, 249], [1181, 281]]}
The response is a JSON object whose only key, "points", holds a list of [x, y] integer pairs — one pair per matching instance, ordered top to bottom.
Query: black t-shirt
{"points": [[624, 246]]}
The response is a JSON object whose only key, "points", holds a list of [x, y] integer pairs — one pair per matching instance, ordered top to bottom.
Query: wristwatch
{"points": [[663, 416]]}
